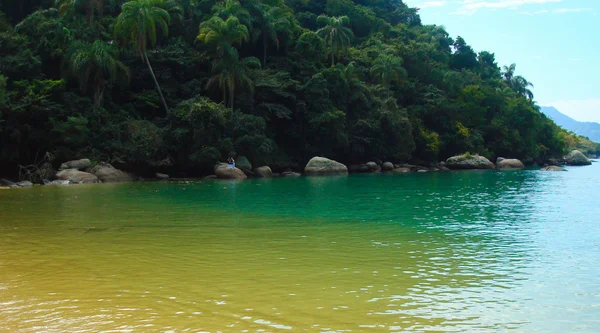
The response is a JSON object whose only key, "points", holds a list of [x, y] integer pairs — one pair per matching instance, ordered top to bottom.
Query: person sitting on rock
{"points": [[231, 162]]}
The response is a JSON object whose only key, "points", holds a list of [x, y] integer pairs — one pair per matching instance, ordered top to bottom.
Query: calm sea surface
{"points": [[437, 252]]}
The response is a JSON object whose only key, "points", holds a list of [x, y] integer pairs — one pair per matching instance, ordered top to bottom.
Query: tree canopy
{"points": [[352, 80]]}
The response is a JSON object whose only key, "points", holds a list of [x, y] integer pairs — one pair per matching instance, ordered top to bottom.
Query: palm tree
{"points": [[91, 7], [233, 8], [272, 20], [137, 24], [224, 34], [336, 35], [96, 65], [387, 69], [231, 72], [517, 83]]}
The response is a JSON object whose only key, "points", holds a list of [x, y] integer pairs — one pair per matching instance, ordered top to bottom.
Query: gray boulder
{"points": [[576, 157], [468, 161], [243, 163], [76, 164], [509, 164], [323, 166], [387, 166], [373, 167], [553, 168], [402, 170], [223, 171], [263, 172], [106, 173], [290, 174], [162, 176], [77, 177], [210, 177], [57, 182], [7, 183], [25, 183]]}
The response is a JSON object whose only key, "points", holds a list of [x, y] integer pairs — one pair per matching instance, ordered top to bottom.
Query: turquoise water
{"points": [[477, 251]]}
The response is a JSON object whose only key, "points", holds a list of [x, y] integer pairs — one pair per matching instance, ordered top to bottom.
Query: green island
{"points": [[174, 86]]}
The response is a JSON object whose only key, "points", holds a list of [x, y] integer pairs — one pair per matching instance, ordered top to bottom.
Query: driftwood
{"points": [[38, 171]]}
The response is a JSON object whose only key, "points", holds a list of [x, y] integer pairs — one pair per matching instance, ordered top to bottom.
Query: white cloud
{"points": [[470, 7], [581, 110]]}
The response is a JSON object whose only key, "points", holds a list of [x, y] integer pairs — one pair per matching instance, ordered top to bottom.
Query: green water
{"points": [[437, 252]]}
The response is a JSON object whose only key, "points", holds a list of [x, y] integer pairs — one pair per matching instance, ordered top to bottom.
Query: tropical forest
{"points": [[179, 85]]}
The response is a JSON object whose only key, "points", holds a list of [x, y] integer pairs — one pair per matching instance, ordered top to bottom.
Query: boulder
{"points": [[576, 157], [499, 159], [468, 161], [554, 161], [243, 163], [76, 164], [509, 164], [324, 166], [387, 166], [373, 167], [364, 168], [553, 168], [402, 170], [223, 171], [263, 172], [106, 173], [290, 174], [162, 176], [77, 177], [210, 177], [57, 182], [7, 183], [25, 183]]}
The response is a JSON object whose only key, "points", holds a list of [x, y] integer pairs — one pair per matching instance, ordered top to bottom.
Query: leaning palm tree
{"points": [[272, 21], [137, 24], [223, 34], [336, 35], [94, 65], [387, 69], [230, 72], [517, 83]]}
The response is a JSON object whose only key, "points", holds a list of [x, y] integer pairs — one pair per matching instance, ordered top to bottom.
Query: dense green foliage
{"points": [[350, 80]]}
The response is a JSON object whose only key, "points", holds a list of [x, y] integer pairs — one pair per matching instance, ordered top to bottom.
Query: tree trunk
{"points": [[265, 51], [332, 54], [231, 95], [225, 97], [162, 98]]}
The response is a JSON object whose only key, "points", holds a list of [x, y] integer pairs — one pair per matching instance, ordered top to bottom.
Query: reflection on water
{"points": [[469, 251]]}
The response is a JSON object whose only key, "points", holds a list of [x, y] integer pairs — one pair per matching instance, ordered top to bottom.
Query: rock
{"points": [[576, 157], [499, 159], [468, 161], [554, 161], [243, 163], [76, 164], [509, 164], [324, 166], [387, 166], [373, 167], [354, 168], [364, 168], [553, 168], [402, 170], [423, 170], [223, 171], [263, 172], [106, 173], [290, 174], [76, 176], [162, 176], [210, 177], [57, 182], [6, 183], [25, 183]]}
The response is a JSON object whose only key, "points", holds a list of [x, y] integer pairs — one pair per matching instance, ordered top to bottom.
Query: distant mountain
{"points": [[589, 129]]}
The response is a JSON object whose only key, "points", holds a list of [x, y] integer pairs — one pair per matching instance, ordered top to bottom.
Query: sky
{"points": [[554, 43]]}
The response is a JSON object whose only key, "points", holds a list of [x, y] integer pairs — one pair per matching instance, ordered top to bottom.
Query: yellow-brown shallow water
{"points": [[454, 252]]}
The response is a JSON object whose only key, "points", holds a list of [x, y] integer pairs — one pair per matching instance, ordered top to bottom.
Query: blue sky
{"points": [[555, 44]]}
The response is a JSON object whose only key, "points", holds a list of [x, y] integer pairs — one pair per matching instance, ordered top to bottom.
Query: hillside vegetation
{"points": [[177, 85]]}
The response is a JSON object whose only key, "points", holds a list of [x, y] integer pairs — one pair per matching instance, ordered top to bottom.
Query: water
{"points": [[440, 252]]}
